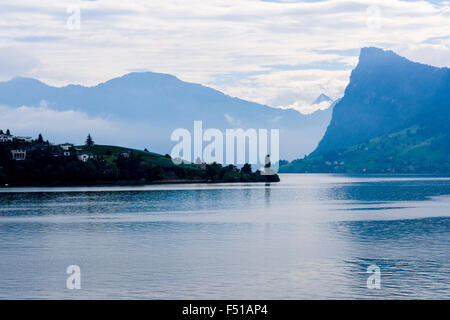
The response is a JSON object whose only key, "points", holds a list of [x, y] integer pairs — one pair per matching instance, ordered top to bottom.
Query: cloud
{"points": [[38, 39], [205, 41], [436, 54], [16, 62], [292, 87], [308, 108], [57, 126], [74, 126]]}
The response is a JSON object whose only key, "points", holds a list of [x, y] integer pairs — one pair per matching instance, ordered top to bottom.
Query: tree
{"points": [[1, 131], [8, 132], [40, 139], [89, 141], [247, 168], [213, 170]]}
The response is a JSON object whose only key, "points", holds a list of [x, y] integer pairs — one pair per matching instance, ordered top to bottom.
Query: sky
{"points": [[280, 53]]}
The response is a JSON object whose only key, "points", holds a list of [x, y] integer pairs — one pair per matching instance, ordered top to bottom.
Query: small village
{"points": [[28, 144], [28, 161]]}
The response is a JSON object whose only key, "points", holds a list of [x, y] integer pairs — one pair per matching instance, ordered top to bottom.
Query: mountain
{"points": [[387, 93], [322, 98], [151, 105], [393, 118], [412, 150]]}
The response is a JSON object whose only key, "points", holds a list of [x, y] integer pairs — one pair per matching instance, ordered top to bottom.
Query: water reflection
{"points": [[267, 194], [310, 236]]}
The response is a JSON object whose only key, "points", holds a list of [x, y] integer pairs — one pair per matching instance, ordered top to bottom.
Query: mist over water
{"points": [[310, 236]]}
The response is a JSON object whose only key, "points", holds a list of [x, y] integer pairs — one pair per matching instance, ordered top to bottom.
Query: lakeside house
{"points": [[6, 138], [11, 138], [24, 139], [66, 146], [66, 149], [127, 154], [19, 155], [85, 156], [201, 166]]}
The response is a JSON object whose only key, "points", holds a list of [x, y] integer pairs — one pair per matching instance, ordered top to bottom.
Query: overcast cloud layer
{"points": [[280, 53]]}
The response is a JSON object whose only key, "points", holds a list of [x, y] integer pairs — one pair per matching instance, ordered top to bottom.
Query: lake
{"points": [[311, 236]]}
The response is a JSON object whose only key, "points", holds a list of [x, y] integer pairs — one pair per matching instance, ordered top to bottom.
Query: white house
{"points": [[5, 138], [25, 139], [66, 146], [127, 154], [19, 155], [85, 156], [201, 166]]}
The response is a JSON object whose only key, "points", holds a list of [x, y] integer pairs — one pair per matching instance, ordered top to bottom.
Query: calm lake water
{"points": [[308, 237]]}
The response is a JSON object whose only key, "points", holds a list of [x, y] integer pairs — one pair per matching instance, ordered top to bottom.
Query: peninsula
{"points": [[25, 161]]}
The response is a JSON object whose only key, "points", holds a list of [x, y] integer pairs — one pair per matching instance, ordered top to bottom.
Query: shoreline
{"points": [[204, 181], [124, 183]]}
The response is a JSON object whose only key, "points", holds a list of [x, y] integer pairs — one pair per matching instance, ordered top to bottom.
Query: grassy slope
{"points": [[101, 150], [406, 151], [157, 159]]}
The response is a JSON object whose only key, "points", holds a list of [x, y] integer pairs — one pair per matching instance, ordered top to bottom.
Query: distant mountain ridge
{"points": [[386, 93], [322, 98], [155, 104], [394, 117]]}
